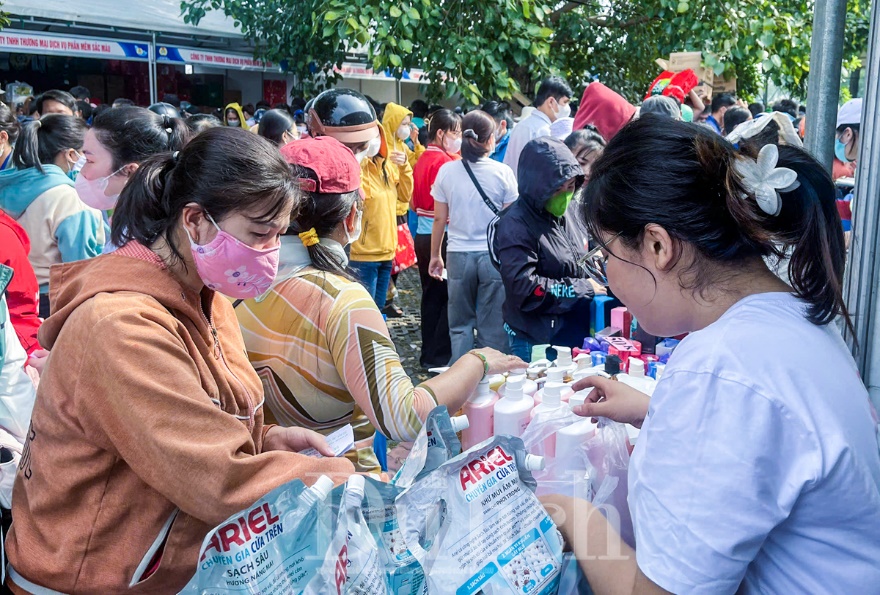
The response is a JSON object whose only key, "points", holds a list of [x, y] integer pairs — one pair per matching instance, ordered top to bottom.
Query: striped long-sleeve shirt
{"points": [[325, 357]]}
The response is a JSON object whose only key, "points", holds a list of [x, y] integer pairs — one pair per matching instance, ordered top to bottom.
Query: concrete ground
{"points": [[406, 331]]}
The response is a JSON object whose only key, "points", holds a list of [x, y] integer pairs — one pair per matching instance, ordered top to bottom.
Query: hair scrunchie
{"points": [[469, 133], [309, 238]]}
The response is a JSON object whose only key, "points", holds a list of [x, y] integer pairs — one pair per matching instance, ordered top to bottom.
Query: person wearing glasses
{"points": [[547, 290], [755, 471]]}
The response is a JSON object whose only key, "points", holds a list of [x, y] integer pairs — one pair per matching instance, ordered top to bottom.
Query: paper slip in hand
{"points": [[341, 441]]}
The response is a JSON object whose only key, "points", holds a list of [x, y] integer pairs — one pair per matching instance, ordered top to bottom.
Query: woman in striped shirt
{"points": [[317, 339]]}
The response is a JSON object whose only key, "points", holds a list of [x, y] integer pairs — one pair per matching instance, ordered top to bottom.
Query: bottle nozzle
{"points": [[556, 375], [553, 393], [459, 423], [534, 463], [355, 486], [321, 488]]}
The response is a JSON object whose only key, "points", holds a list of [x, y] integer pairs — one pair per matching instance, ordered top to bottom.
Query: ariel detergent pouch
{"points": [[436, 443], [495, 536], [276, 546], [351, 565], [404, 574]]}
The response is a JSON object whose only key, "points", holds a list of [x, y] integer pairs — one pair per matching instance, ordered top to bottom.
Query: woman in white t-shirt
{"points": [[470, 192], [757, 466]]}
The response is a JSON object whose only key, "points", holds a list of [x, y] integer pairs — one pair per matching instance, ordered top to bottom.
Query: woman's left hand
{"points": [[296, 440]]}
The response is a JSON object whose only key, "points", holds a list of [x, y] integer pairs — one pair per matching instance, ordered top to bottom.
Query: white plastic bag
{"points": [[608, 454], [595, 471], [564, 473]]}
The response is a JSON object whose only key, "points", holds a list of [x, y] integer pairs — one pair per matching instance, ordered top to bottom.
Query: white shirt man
{"points": [[551, 103]]}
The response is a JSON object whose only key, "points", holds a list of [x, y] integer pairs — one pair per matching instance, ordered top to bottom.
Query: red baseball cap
{"points": [[337, 169]]}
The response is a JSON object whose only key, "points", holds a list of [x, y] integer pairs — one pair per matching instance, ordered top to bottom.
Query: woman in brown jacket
{"points": [[148, 426]]}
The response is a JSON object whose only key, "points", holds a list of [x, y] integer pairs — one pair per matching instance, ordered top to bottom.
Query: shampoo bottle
{"points": [[479, 410], [512, 411]]}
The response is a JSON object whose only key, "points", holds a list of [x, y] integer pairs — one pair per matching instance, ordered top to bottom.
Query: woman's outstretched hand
{"points": [[612, 399]]}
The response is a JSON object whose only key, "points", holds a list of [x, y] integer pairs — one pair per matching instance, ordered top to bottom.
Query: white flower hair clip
{"points": [[763, 179]]}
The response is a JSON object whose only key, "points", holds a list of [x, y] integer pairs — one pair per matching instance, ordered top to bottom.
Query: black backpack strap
{"points": [[489, 203], [236, 303]]}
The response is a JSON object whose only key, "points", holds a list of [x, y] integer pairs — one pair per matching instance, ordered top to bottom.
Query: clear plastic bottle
{"points": [[480, 410], [511, 416]]}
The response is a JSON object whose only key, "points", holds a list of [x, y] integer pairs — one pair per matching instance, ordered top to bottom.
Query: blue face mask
{"points": [[840, 151]]}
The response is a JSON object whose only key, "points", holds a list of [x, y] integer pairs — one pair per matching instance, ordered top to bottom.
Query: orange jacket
{"points": [[147, 432]]}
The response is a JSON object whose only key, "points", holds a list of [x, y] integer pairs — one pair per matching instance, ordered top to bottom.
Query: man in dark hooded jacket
{"points": [[548, 294]]}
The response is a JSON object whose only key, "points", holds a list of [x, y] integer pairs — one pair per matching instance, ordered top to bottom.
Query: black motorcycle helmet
{"points": [[164, 109], [344, 114]]}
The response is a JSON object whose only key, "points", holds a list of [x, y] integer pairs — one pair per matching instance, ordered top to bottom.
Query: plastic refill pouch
{"points": [[436, 443], [494, 537], [274, 547], [351, 565], [404, 574]]}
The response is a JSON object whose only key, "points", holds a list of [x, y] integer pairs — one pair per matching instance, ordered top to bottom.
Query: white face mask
{"points": [[563, 111], [302, 129], [403, 132], [452, 145], [374, 146], [355, 235]]}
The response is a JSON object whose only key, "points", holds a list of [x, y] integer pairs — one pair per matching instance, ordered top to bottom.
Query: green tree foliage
{"points": [[481, 50]]}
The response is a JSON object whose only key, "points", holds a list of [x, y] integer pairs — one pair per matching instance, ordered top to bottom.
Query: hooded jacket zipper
{"points": [[218, 354]]}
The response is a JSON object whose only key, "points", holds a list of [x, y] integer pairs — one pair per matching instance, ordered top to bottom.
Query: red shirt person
{"points": [[23, 291]]}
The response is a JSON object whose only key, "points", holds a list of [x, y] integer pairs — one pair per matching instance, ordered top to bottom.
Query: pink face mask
{"points": [[91, 192], [233, 268]]}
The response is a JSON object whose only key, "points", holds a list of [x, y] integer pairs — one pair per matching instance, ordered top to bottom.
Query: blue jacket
{"points": [[60, 226]]}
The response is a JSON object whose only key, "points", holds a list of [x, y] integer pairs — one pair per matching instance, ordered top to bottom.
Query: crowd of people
{"points": [[191, 299]]}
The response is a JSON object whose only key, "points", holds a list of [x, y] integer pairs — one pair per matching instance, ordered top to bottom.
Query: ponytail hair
{"points": [[478, 127], [131, 134], [41, 140], [223, 170], [695, 193], [322, 212], [810, 223]]}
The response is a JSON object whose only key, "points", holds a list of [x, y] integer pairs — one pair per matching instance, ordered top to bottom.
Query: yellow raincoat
{"points": [[238, 110], [394, 115], [387, 188]]}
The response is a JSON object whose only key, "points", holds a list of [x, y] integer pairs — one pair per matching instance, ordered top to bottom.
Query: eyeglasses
{"points": [[593, 263]]}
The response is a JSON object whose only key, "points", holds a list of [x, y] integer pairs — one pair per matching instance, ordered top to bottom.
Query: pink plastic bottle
{"points": [[480, 411]]}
